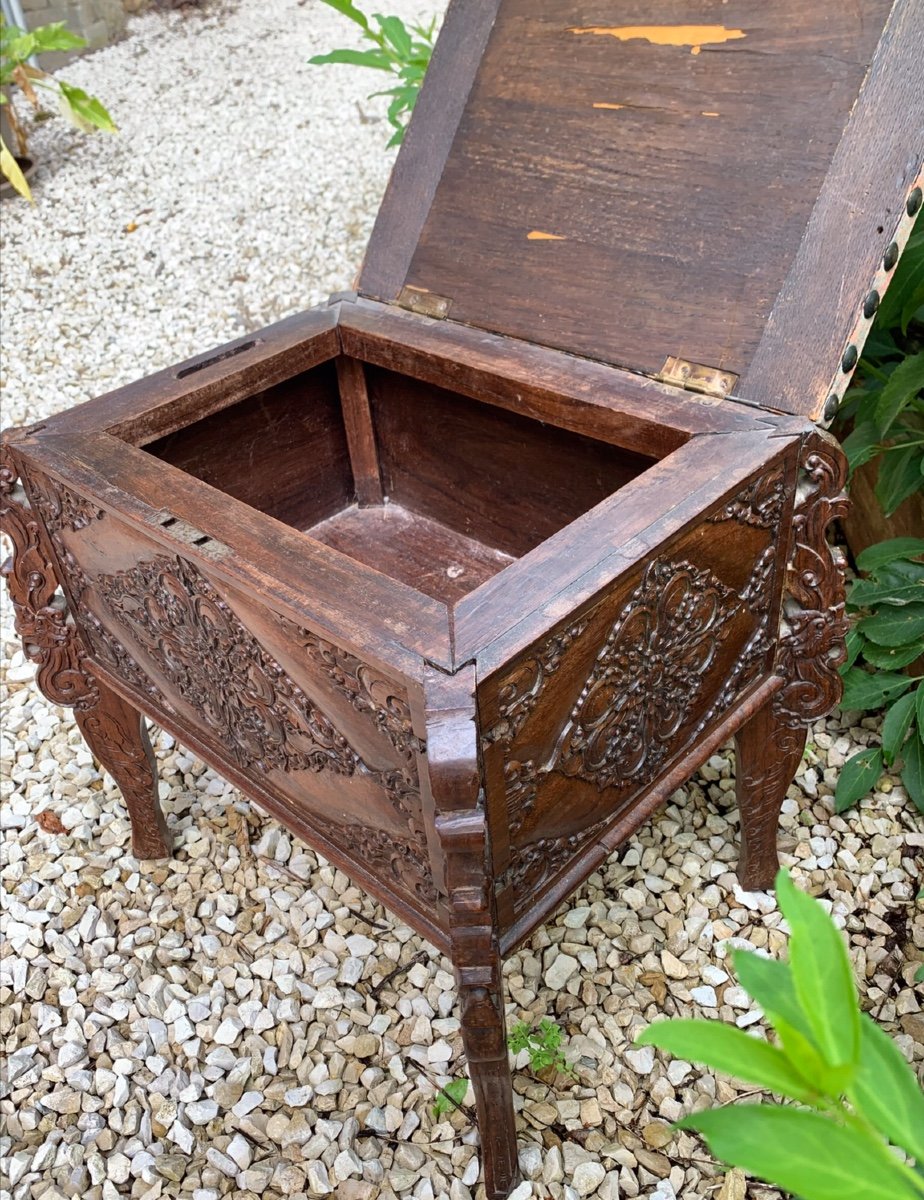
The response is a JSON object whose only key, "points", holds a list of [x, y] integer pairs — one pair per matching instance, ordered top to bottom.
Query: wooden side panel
{"points": [[282, 451], [493, 475], [581, 725], [326, 733]]}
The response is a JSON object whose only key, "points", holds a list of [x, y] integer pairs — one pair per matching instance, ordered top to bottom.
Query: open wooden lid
{"points": [[724, 183]]}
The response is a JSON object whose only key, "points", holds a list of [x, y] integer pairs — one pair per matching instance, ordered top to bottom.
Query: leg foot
{"points": [[117, 736], [768, 750]]}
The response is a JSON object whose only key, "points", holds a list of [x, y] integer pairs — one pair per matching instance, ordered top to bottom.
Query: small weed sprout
{"points": [[543, 1045]]}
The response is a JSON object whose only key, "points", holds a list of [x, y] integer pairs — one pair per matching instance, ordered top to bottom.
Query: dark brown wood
{"points": [[426, 144], [659, 175], [282, 451], [367, 485], [424, 554], [116, 733], [768, 751], [462, 830]]}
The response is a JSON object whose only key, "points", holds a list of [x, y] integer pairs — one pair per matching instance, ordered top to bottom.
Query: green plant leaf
{"points": [[349, 9], [395, 34], [55, 37], [377, 59], [86, 112], [9, 167], [903, 384], [861, 444], [899, 478], [881, 553], [866, 593], [895, 626], [855, 644], [890, 658], [863, 690], [919, 707], [896, 725], [913, 771], [858, 774], [821, 974], [919, 974], [770, 983], [731, 1050], [885, 1091], [450, 1096], [802, 1152]]}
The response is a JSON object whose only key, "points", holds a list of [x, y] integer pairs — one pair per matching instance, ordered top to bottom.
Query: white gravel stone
{"points": [[562, 968]]}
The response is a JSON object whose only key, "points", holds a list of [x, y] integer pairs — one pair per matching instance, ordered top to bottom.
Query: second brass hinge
{"points": [[424, 302], [695, 377]]}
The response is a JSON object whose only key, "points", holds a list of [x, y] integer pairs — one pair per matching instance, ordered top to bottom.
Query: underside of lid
{"points": [[716, 183]]}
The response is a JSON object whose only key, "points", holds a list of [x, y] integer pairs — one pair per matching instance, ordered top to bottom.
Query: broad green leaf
{"points": [[349, 9], [396, 34], [55, 37], [354, 58], [86, 112], [10, 168], [908, 275], [903, 384], [861, 444], [899, 478], [881, 553], [866, 593], [895, 626], [855, 643], [890, 658], [863, 690], [919, 708], [896, 725], [913, 771], [858, 774], [821, 974], [919, 974], [770, 983], [731, 1050], [885, 1090], [802, 1152]]}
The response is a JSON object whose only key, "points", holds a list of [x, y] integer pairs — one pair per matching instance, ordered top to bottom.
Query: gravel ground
{"points": [[217, 1026]]}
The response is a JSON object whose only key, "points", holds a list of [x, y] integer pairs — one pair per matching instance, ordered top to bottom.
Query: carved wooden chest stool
{"points": [[461, 575]]}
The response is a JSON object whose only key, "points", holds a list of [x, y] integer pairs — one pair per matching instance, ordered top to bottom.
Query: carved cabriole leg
{"points": [[811, 648], [113, 729], [117, 735], [452, 754], [768, 754]]}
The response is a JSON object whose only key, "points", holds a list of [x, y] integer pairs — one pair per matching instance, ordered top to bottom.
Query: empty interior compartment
{"points": [[462, 488]]}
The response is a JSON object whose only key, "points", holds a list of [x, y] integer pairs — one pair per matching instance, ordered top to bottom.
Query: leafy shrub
{"points": [[17, 46], [402, 52], [886, 408], [887, 635], [858, 1109]]}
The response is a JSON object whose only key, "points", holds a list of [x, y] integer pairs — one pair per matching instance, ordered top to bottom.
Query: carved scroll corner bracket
{"points": [[42, 619], [813, 626]]}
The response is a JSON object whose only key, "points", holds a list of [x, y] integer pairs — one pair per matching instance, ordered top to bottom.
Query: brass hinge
{"points": [[426, 303], [694, 377]]}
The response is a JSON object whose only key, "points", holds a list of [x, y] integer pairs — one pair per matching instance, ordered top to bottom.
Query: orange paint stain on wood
{"points": [[694, 36], [600, 104], [708, 114], [536, 235]]}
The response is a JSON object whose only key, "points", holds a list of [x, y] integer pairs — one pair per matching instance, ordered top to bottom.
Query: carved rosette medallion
{"points": [[648, 676]]}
